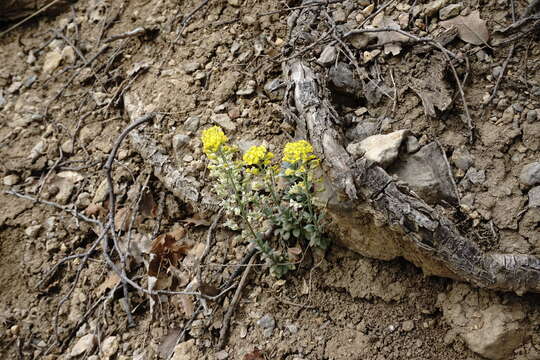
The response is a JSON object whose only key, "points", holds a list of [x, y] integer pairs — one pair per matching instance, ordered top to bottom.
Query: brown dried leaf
{"points": [[471, 28], [148, 206], [95, 210], [122, 219], [196, 220], [168, 248], [109, 283], [208, 290], [187, 305], [168, 342], [256, 354]]}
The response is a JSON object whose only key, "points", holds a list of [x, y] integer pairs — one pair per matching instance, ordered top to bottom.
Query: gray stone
{"points": [[432, 7], [450, 11], [340, 16], [360, 41], [328, 56], [191, 67], [496, 72], [342, 79], [30, 81], [248, 89], [275, 89], [2, 101], [532, 115], [224, 121], [192, 123], [362, 130], [179, 141], [382, 149], [462, 159], [428, 173], [530, 174], [475, 176], [11, 180], [534, 197], [32, 231], [267, 322], [109, 347], [221, 355]]}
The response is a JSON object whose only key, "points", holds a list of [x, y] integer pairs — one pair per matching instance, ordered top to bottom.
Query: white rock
{"points": [[68, 55], [52, 61], [224, 121], [382, 149], [37, 150], [11, 180], [534, 197], [32, 231], [84, 345], [109, 346], [186, 351]]}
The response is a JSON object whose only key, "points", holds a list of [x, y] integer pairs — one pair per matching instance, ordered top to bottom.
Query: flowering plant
{"points": [[267, 196]]}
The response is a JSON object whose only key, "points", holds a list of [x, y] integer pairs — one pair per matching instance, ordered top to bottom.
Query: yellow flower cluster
{"points": [[212, 139], [298, 151], [257, 155]]}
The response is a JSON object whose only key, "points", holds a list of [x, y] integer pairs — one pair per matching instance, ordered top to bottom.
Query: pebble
{"points": [[235, 3], [431, 8], [368, 10], [450, 11], [340, 16], [359, 41], [68, 55], [328, 56], [52, 61], [191, 67], [496, 72], [248, 89], [532, 115], [224, 121], [192, 123], [179, 141], [412, 144], [67, 146], [462, 159], [530, 174], [475, 176], [11, 180], [534, 197], [32, 231], [267, 322], [407, 326], [293, 329], [84, 345], [109, 346], [221, 355]]}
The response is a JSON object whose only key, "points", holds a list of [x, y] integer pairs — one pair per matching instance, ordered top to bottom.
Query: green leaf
{"points": [[296, 233]]}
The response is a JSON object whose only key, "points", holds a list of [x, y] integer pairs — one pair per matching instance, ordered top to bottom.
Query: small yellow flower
{"points": [[212, 139], [298, 151], [257, 155]]}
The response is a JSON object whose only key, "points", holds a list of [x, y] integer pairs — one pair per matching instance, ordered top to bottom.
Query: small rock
{"points": [[235, 3], [431, 8], [368, 10], [450, 11], [339, 15], [403, 20], [360, 41], [68, 55], [370, 55], [328, 56], [31, 58], [52, 61], [191, 67], [496, 72], [342, 78], [29, 81], [248, 89], [275, 89], [532, 115], [224, 121], [192, 123], [362, 130], [179, 141], [412, 144], [67, 146], [382, 149], [37, 150], [462, 159], [530, 174], [476, 177], [11, 180], [534, 197], [32, 231], [267, 322], [407, 325], [293, 329], [84, 345], [109, 347], [186, 351], [221, 355]]}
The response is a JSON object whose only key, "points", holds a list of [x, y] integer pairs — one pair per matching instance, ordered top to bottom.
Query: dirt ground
{"points": [[66, 87]]}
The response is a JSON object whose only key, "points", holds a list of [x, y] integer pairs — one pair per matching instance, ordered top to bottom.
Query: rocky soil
{"points": [[69, 85]]}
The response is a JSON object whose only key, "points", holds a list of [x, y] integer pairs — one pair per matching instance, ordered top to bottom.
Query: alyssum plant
{"points": [[263, 194]]}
